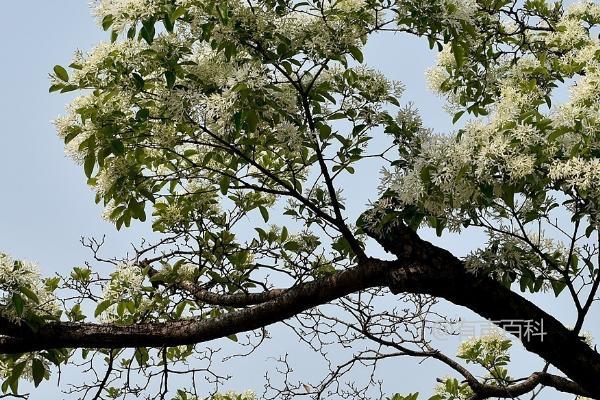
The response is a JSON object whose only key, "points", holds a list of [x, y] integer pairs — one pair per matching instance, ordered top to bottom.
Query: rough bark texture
{"points": [[432, 270]]}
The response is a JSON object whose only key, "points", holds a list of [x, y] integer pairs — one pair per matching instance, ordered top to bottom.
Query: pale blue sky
{"points": [[46, 207]]}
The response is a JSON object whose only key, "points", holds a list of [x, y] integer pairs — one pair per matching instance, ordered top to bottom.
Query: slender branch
{"points": [[106, 375]]}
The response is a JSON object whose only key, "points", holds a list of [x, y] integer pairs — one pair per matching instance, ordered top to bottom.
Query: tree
{"points": [[209, 114]]}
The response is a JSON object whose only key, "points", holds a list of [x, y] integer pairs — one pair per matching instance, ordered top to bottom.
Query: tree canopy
{"points": [[209, 118]]}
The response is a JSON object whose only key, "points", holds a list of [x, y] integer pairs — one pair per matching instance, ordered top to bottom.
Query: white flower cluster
{"points": [[348, 5], [586, 9], [460, 10], [125, 11], [449, 13], [570, 33], [315, 37], [574, 39], [90, 64], [438, 74], [72, 121], [66, 124], [63, 125], [289, 135], [457, 166], [115, 168], [447, 173], [578, 173], [171, 214], [15, 274], [128, 277], [126, 283], [588, 338], [493, 344], [463, 392], [231, 395]]}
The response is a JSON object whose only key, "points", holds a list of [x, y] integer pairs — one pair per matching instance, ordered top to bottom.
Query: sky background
{"points": [[45, 205]]}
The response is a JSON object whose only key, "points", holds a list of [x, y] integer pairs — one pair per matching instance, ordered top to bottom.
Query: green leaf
{"points": [[179, 12], [223, 12], [107, 22], [168, 23], [131, 32], [147, 32], [356, 53], [61, 73], [170, 78], [138, 81], [56, 87], [69, 88], [393, 100], [142, 114], [336, 116], [457, 116], [251, 121], [556, 134], [117, 147], [88, 164], [425, 174], [224, 184], [147, 194], [508, 195], [264, 212], [439, 228], [589, 230], [291, 246], [574, 262], [557, 286], [30, 294], [18, 304], [102, 306], [232, 338], [141, 356], [18, 370], [37, 371], [13, 380], [14, 386]]}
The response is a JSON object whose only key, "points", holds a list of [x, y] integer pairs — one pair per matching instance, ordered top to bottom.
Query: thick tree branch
{"points": [[435, 271], [293, 301], [483, 391]]}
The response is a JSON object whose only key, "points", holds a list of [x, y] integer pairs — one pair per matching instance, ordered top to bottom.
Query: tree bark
{"points": [[432, 270]]}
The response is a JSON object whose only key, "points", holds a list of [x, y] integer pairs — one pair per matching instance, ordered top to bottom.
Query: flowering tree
{"points": [[207, 114]]}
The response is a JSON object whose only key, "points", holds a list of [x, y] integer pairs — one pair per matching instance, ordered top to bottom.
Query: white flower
{"points": [[348, 5], [586, 9], [462, 10], [124, 11], [570, 33], [436, 76], [289, 135], [520, 165], [114, 168], [579, 173], [15, 274], [126, 283], [588, 338], [492, 343]]}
